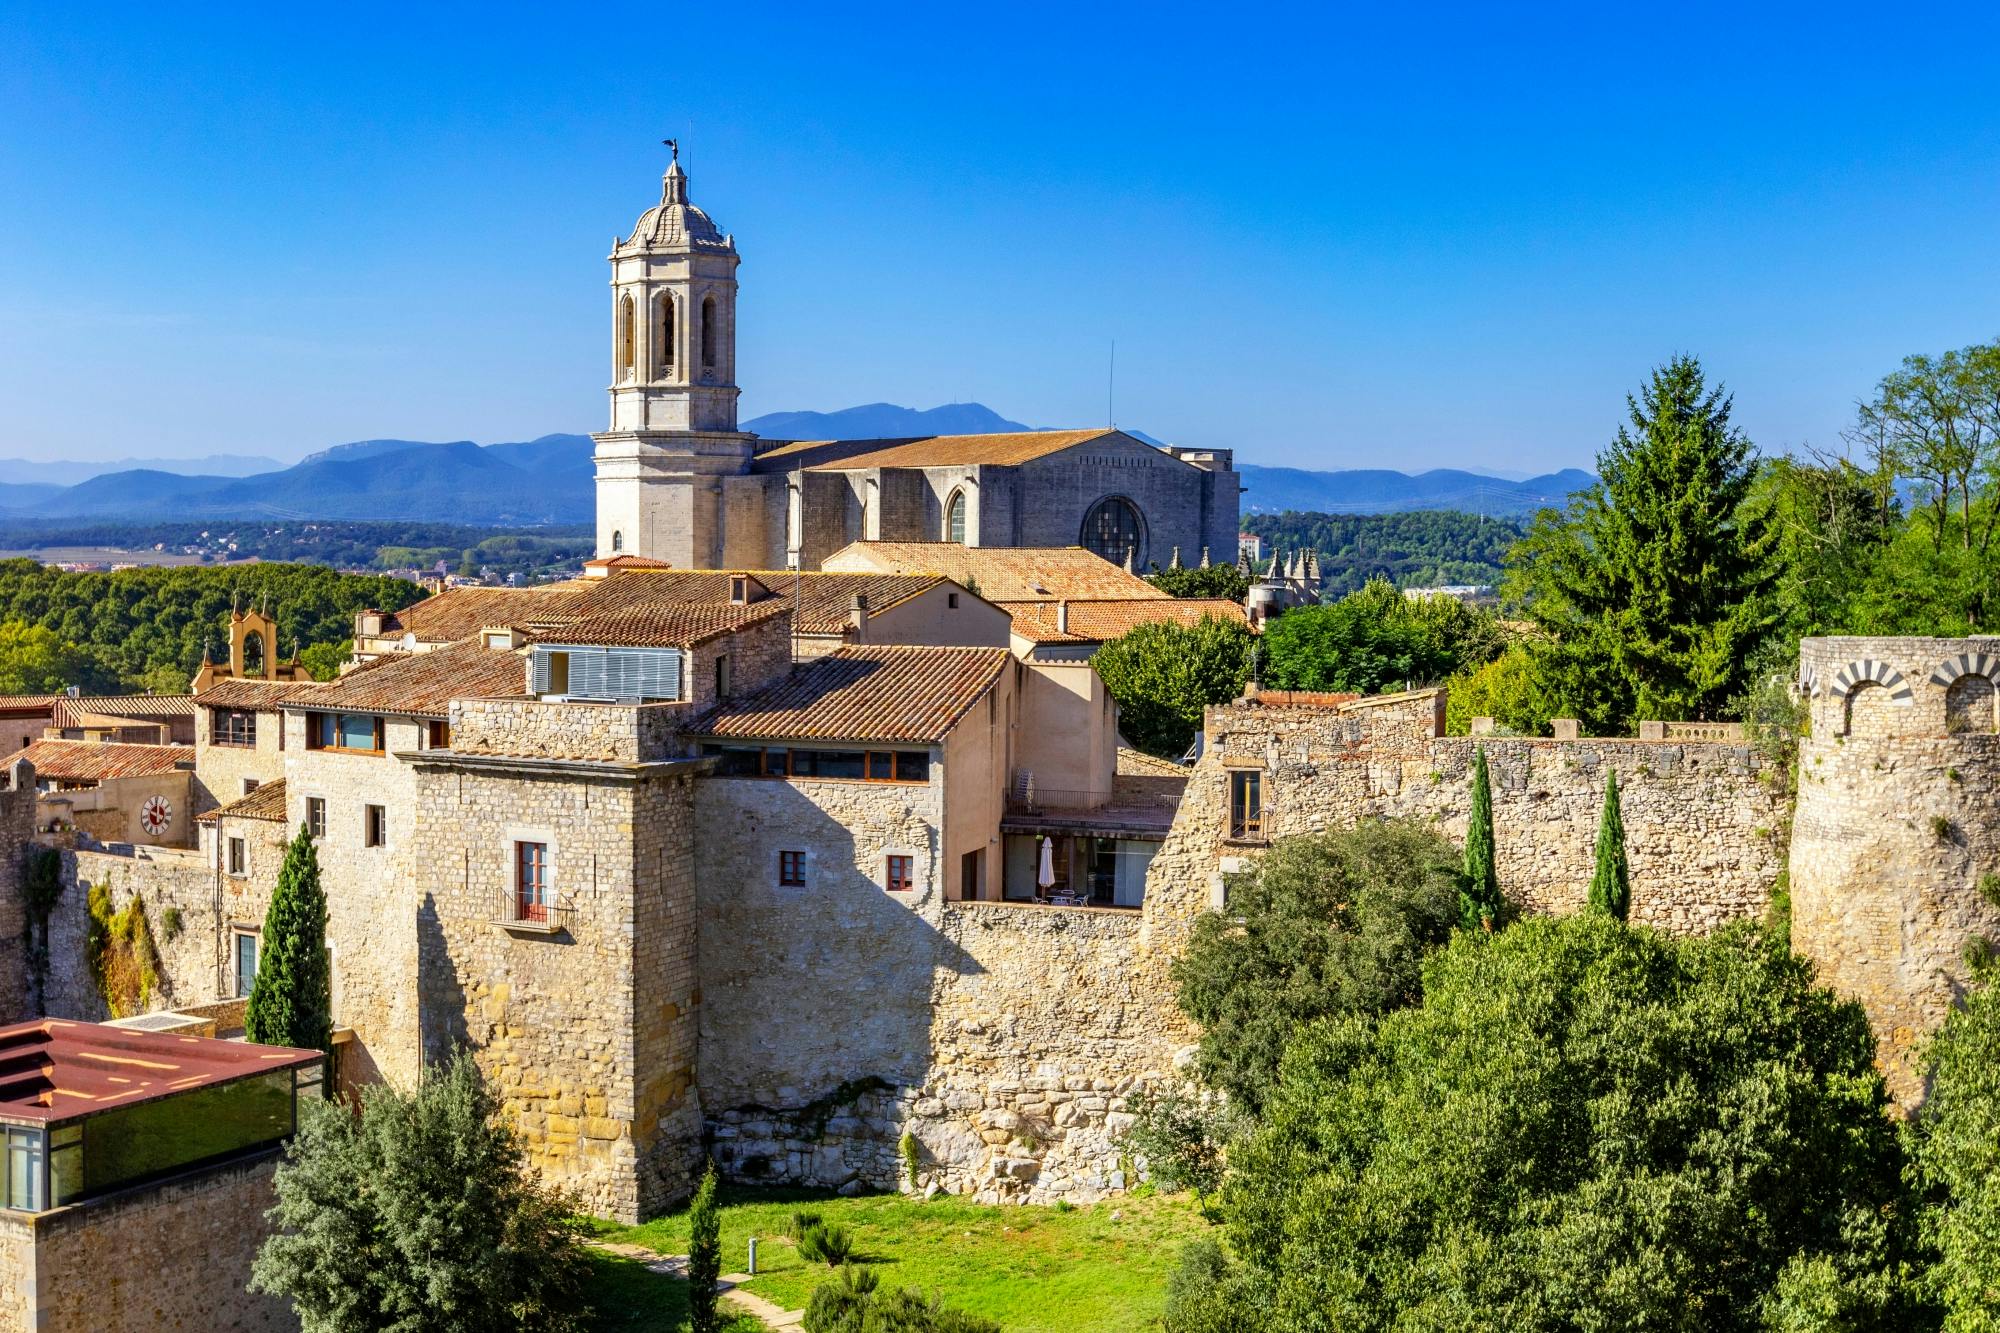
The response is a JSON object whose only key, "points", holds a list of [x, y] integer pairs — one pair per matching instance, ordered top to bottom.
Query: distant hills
{"points": [[65, 472], [549, 480]]}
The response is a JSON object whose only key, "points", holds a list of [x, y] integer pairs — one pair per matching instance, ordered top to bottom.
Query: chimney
{"points": [[1062, 616], [858, 617]]}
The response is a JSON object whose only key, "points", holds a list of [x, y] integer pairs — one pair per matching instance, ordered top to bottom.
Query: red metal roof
{"points": [[54, 1070]]}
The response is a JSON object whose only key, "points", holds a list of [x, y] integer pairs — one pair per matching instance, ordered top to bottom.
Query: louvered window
{"points": [[608, 673]]}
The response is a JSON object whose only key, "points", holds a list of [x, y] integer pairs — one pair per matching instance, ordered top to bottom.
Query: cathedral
{"points": [[678, 482]]}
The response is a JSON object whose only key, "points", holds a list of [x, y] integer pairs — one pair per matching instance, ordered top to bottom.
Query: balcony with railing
{"points": [[1133, 808], [512, 912]]}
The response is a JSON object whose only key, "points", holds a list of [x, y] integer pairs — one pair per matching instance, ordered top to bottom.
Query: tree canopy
{"points": [[1225, 581], [1376, 640], [33, 660], [1163, 675], [1325, 925], [1582, 1125], [1955, 1164]]}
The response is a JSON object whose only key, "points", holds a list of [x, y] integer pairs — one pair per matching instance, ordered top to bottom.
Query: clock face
{"points": [[156, 816]]}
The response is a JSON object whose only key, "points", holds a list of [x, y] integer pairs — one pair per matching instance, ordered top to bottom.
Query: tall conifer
{"points": [[1610, 887], [1480, 898], [291, 1001]]}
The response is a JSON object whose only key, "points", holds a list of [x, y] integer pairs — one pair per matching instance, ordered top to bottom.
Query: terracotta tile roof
{"points": [[923, 451], [626, 562], [1001, 573], [820, 605], [1098, 621], [667, 625], [420, 684], [864, 693], [263, 695], [30, 704], [133, 707], [94, 761], [265, 802], [53, 1071]]}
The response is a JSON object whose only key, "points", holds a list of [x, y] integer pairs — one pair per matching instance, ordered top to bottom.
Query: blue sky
{"points": [[1381, 236]]}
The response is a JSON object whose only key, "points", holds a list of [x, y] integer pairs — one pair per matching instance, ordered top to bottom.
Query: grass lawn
{"points": [[1034, 1269], [631, 1300]]}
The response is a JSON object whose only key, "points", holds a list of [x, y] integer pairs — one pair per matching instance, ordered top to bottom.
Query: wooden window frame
{"points": [[316, 723], [225, 728], [437, 732], [316, 816], [374, 825], [1246, 825], [236, 856], [531, 867], [791, 870], [899, 872]]}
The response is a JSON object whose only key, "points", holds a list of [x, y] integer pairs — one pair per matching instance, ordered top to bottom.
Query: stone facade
{"points": [[222, 770], [1898, 824], [17, 825], [103, 1266]]}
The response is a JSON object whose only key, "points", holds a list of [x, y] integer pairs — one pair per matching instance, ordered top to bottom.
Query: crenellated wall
{"points": [[1898, 823]]}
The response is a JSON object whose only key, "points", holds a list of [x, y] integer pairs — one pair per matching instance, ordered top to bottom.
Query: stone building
{"points": [[677, 480], [253, 654], [113, 792]]}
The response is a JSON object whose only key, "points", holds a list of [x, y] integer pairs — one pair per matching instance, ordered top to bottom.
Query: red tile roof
{"points": [[1005, 450], [1001, 573], [1097, 621], [667, 625], [420, 684], [879, 693], [262, 695], [28, 704], [135, 707], [94, 761], [265, 802], [53, 1070]]}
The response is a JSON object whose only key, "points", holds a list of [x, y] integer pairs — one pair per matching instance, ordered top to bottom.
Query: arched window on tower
{"points": [[708, 333], [663, 335], [625, 336], [954, 518], [1114, 530], [617, 541], [253, 654]]}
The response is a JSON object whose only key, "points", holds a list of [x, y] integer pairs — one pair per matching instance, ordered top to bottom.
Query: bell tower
{"points": [[673, 435]]}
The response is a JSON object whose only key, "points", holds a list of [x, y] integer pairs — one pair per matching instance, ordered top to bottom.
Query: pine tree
{"points": [[1653, 586], [1610, 887], [1479, 900], [291, 1001], [704, 1257]]}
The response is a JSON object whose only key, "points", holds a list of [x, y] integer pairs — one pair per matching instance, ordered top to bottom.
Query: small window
{"points": [[708, 333], [617, 541], [739, 588], [951, 601], [558, 673], [722, 676], [232, 726], [438, 734], [250, 785], [1246, 803], [316, 816], [374, 825], [239, 857], [792, 870], [901, 876], [531, 881], [245, 945]]}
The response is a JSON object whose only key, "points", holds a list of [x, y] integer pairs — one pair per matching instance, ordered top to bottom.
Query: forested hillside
{"points": [[1416, 549], [145, 628]]}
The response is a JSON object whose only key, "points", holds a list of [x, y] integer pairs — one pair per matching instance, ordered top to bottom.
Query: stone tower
{"points": [[673, 435], [1896, 836]]}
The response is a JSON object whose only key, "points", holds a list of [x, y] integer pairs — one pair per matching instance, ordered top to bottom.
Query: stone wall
{"points": [[532, 728], [1704, 821], [1898, 823], [17, 826], [169, 879], [588, 1026], [174, 1254]]}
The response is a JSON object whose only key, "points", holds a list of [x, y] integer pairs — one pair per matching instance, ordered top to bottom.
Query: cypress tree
{"points": [[1610, 887], [1479, 899], [291, 1001], [704, 1257]]}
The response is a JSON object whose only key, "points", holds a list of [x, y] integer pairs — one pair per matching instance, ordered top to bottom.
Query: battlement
{"points": [[1881, 688]]}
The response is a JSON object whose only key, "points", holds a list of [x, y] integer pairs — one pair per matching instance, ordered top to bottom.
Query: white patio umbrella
{"points": [[1047, 878]]}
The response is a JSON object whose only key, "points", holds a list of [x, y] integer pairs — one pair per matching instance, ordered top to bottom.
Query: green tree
{"points": [[1225, 581], [1653, 587], [1376, 640], [33, 660], [323, 660], [1163, 675], [166, 678], [1509, 689], [1610, 884], [1479, 901], [1325, 925], [291, 1001], [1582, 1126], [1183, 1140], [1955, 1164], [417, 1215], [704, 1257]]}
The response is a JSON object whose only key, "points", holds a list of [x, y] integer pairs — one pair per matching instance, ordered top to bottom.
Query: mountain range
{"points": [[549, 480]]}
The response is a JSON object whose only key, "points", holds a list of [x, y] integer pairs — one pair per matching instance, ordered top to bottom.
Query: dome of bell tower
{"points": [[674, 223]]}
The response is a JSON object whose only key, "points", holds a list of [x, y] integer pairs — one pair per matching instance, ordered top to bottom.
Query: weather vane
{"points": [[675, 145]]}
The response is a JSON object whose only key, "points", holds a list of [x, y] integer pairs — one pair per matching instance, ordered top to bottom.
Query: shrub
{"points": [[1323, 926], [119, 952], [1582, 1125], [1183, 1140], [906, 1148], [1955, 1163], [419, 1212], [800, 1224], [825, 1243], [704, 1257], [1208, 1294], [854, 1303]]}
